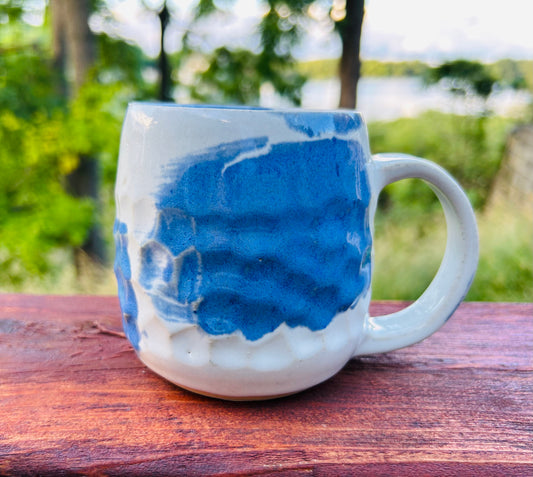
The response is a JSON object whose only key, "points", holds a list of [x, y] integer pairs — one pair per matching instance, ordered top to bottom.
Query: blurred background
{"points": [[449, 81]]}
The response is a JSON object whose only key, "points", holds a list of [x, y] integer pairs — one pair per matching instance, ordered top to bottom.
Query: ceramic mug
{"points": [[244, 246]]}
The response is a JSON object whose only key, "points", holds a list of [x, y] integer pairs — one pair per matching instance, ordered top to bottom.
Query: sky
{"points": [[479, 29], [428, 30]]}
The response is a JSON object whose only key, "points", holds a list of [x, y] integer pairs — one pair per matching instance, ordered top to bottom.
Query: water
{"points": [[392, 98]]}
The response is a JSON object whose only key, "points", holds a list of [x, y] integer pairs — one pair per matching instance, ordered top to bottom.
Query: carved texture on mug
{"points": [[251, 234], [128, 301]]}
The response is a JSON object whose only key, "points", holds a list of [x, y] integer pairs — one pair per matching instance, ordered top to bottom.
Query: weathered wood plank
{"points": [[75, 399]]}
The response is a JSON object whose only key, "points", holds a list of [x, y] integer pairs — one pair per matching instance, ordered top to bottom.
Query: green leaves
{"points": [[235, 75], [231, 77], [465, 77], [27, 81], [41, 140], [469, 147], [36, 214]]}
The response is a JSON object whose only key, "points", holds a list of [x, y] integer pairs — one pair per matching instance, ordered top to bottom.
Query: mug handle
{"points": [[456, 272]]}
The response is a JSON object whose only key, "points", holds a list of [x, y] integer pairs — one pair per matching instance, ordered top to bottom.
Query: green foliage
{"points": [[204, 8], [10, 10], [119, 61], [328, 68], [397, 68], [319, 69], [517, 74], [235, 75], [232, 77], [463, 77], [36, 92], [43, 134], [42, 137], [469, 147], [36, 215], [410, 227], [408, 248], [408, 254], [505, 271]]}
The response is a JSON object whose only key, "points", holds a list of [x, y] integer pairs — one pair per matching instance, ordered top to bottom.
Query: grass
{"points": [[408, 254], [505, 271], [93, 279]]}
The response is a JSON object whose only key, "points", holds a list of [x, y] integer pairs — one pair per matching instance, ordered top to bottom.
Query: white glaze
{"points": [[288, 359]]}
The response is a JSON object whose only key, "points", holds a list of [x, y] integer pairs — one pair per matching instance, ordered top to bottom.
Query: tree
{"points": [[349, 29], [75, 45], [59, 46], [236, 75], [165, 78], [464, 78], [469, 80], [43, 135]]}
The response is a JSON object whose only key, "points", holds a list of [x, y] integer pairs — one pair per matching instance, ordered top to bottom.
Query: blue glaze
{"points": [[317, 124], [250, 244], [157, 261], [188, 278], [128, 301]]}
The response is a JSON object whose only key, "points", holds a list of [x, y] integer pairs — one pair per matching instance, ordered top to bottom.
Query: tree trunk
{"points": [[73, 40], [80, 40], [59, 46], [350, 64], [165, 79], [84, 182]]}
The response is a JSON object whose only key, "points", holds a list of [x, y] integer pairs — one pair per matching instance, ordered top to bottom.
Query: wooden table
{"points": [[75, 400]]}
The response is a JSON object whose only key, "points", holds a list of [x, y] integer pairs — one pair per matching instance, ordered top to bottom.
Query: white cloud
{"points": [[428, 30]]}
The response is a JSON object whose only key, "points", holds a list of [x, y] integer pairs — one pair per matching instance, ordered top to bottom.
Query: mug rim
{"points": [[237, 108]]}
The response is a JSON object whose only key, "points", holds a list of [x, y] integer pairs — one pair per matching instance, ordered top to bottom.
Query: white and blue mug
{"points": [[244, 246]]}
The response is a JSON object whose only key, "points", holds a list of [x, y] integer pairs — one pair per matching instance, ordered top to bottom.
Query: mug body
{"points": [[243, 244]]}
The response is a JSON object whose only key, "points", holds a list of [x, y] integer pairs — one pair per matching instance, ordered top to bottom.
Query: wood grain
{"points": [[75, 400]]}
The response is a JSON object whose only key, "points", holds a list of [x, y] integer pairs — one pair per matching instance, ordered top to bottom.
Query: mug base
{"points": [[284, 362], [235, 385], [236, 398]]}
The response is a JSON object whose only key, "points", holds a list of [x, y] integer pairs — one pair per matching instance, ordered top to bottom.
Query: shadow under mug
{"points": [[244, 246]]}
